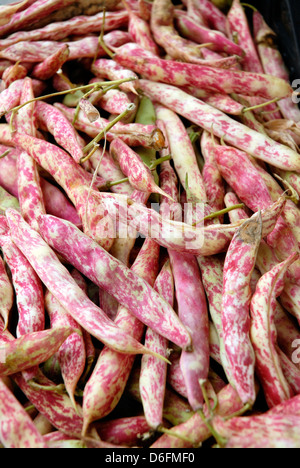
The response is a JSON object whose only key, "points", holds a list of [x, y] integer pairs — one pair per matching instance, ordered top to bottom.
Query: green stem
{"points": [[249, 6], [101, 41], [259, 106], [96, 140], [5, 153], [158, 161], [117, 182], [294, 196], [220, 213], [61, 389], [206, 399], [240, 412], [172, 433], [219, 439]]}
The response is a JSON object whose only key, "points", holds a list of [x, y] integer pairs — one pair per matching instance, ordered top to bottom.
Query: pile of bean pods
{"points": [[149, 228]]}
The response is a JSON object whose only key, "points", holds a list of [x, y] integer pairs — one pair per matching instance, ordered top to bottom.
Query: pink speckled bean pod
{"points": [[40, 9], [8, 10], [194, 12], [215, 18], [238, 23], [61, 29], [140, 31], [194, 31], [176, 46], [38, 51], [273, 63], [4, 64], [107, 68], [46, 69], [11, 74], [201, 76], [10, 97], [113, 101], [223, 102], [54, 121], [223, 126], [133, 134], [183, 153], [132, 165], [109, 171], [212, 178], [75, 181], [250, 185], [29, 188], [56, 203], [180, 236], [238, 267], [212, 268], [118, 280], [59, 281], [28, 289], [6, 293], [192, 311], [287, 332], [264, 336], [30, 350], [71, 354], [153, 371], [290, 371], [175, 378], [108, 380], [56, 407], [176, 409], [195, 428], [277, 428], [17, 429], [123, 431]]}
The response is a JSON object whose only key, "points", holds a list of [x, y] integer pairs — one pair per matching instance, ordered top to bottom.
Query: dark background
{"points": [[283, 16]]}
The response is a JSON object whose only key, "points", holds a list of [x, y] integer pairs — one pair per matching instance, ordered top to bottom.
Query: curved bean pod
{"points": [[60, 29], [140, 31], [193, 31], [176, 46], [105, 68], [46, 69], [202, 76], [53, 120], [232, 132], [182, 153], [131, 164], [179, 236], [238, 267], [114, 277], [58, 280], [28, 289], [6, 293], [263, 333], [31, 349], [71, 354], [154, 371], [108, 380], [124, 431], [22, 432]]}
